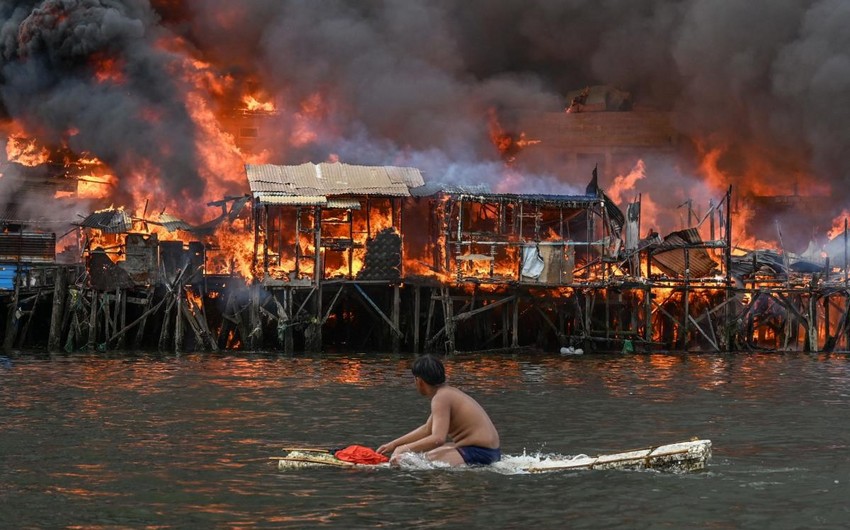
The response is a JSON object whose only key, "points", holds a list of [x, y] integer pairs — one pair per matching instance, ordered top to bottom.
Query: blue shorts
{"points": [[472, 454]]}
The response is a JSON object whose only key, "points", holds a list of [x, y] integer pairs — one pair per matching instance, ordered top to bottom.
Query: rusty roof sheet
{"points": [[328, 179], [291, 200], [343, 204], [109, 221], [172, 223], [670, 256]]}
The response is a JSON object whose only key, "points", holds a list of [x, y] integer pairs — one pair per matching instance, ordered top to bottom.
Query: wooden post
{"points": [[60, 286], [687, 296], [431, 305], [647, 314], [11, 316], [107, 316], [448, 316], [728, 316], [416, 317], [282, 319], [122, 320], [178, 320], [813, 320], [505, 327], [25, 330], [515, 330], [165, 331], [313, 332], [140, 333], [92, 338], [255, 339], [288, 339], [396, 340]]}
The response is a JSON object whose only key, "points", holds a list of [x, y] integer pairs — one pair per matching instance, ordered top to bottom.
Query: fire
{"points": [[108, 69], [253, 104], [508, 144], [26, 151], [838, 224], [236, 252]]}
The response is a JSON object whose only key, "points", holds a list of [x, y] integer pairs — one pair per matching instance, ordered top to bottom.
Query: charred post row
{"points": [[360, 258]]}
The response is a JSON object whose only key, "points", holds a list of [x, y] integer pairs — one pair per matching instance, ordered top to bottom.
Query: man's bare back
{"points": [[469, 424]]}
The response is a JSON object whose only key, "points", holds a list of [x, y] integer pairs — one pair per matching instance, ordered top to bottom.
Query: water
{"points": [[176, 442]]}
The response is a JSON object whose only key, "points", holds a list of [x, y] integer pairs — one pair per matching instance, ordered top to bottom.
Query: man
{"points": [[454, 415]]}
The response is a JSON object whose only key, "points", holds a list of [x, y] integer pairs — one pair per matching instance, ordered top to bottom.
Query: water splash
{"points": [[508, 465]]}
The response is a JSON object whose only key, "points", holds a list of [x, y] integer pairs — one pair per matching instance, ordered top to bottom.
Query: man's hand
{"points": [[385, 449], [396, 457]]}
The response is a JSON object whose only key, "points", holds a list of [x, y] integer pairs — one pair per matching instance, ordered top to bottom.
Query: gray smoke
{"points": [[414, 81]]}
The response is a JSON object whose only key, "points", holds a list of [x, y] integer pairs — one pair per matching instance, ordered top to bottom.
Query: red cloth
{"points": [[360, 455]]}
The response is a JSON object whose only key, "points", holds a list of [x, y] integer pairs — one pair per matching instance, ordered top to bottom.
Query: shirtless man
{"points": [[454, 415]]}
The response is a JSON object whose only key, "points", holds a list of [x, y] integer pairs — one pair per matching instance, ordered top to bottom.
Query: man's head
{"points": [[429, 369]]}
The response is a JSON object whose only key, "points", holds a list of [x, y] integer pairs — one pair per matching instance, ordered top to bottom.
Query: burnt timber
{"points": [[360, 258]]}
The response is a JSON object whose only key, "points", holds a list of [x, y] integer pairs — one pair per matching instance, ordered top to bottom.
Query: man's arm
{"points": [[437, 428], [414, 435]]}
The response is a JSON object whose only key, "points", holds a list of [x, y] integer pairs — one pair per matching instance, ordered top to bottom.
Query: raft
{"points": [[678, 457], [681, 457]]}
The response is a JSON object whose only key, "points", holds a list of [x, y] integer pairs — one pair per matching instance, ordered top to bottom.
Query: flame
{"points": [[108, 69], [253, 104], [508, 144], [26, 151], [838, 224]]}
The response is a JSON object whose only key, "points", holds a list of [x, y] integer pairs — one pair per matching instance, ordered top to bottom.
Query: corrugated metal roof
{"points": [[328, 179], [290, 200], [343, 204], [109, 221], [172, 223], [671, 254]]}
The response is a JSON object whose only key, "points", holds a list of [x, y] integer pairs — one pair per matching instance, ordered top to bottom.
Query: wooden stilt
{"points": [[60, 286], [431, 305], [29, 314], [448, 315], [12, 316], [107, 317], [416, 317], [396, 318], [178, 319], [122, 320], [143, 320], [192, 320], [139, 321], [515, 325], [505, 327], [165, 331], [92, 338], [288, 338], [255, 339]]}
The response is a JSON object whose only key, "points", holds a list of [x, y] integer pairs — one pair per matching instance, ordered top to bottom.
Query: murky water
{"points": [[176, 442]]}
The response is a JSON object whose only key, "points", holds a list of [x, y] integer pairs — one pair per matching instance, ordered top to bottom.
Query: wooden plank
{"points": [[380, 313]]}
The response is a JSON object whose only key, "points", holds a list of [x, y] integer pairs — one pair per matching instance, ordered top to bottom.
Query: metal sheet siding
{"points": [[28, 247]]}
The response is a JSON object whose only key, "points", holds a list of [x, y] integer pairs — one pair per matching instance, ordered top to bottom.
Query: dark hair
{"points": [[429, 369]]}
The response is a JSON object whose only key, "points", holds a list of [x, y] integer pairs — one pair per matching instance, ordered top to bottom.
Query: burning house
{"points": [[159, 107]]}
